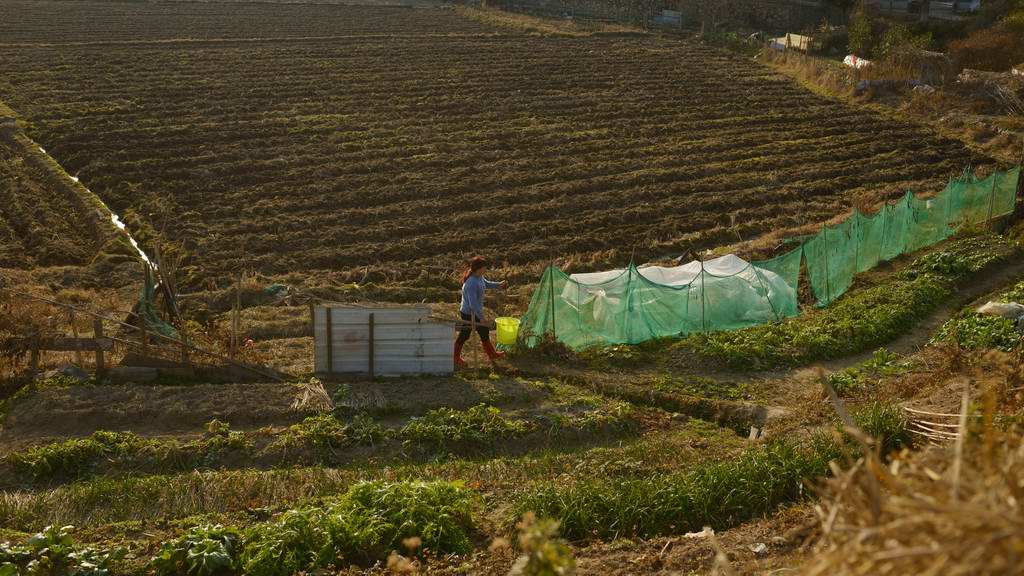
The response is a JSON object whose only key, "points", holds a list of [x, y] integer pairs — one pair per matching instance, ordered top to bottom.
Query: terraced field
{"points": [[388, 159]]}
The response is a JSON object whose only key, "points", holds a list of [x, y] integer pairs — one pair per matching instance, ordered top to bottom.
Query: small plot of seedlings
{"points": [[974, 331], [858, 379], [322, 438], [54, 551]]}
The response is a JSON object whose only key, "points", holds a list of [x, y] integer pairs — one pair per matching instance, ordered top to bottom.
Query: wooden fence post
{"points": [[992, 199], [236, 312], [312, 318], [74, 331], [97, 333], [144, 338], [330, 344], [184, 349], [34, 362], [372, 371]]}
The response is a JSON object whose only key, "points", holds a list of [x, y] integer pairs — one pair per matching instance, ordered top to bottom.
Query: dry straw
{"points": [[311, 396], [948, 509]]}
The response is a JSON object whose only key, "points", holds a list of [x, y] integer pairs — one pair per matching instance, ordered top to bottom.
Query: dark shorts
{"points": [[466, 330]]}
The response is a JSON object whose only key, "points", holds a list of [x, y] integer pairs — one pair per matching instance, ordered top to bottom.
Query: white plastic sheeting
{"points": [[728, 289]]}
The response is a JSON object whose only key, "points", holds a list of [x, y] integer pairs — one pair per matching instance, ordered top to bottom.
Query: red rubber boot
{"points": [[491, 352], [459, 362]]}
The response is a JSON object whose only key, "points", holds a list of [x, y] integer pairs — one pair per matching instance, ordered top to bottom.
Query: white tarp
{"points": [[728, 265], [730, 290]]}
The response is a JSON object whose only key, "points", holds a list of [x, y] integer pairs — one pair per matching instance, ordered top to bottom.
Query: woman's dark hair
{"points": [[475, 263]]}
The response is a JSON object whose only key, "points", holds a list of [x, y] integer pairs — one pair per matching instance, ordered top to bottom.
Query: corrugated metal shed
{"points": [[381, 341]]}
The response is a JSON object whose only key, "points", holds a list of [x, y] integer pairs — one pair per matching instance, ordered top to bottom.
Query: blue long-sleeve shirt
{"points": [[473, 295]]}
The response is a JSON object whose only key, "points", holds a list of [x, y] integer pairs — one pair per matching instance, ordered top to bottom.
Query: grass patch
{"points": [[699, 386], [887, 424], [484, 427], [322, 439], [103, 450], [720, 495], [105, 500]]}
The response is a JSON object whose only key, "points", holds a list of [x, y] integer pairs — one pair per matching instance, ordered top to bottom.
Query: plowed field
{"points": [[390, 156], [41, 223]]}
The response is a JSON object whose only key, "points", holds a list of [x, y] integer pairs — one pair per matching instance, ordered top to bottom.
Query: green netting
{"points": [[833, 252], [837, 253], [635, 305], [146, 309]]}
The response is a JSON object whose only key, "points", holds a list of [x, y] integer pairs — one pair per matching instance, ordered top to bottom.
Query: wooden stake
{"points": [[992, 198], [236, 312], [312, 318], [74, 332], [97, 332], [144, 337], [182, 337], [34, 363], [372, 370], [961, 435]]}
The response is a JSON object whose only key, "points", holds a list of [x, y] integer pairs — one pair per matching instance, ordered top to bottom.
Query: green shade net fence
{"points": [[837, 253], [638, 304]]}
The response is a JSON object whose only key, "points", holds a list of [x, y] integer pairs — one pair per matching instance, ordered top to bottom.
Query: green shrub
{"points": [[861, 32], [899, 36], [996, 49], [959, 258], [852, 380], [480, 426], [363, 430], [219, 438], [374, 517], [296, 542], [204, 551], [54, 552], [543, 552]]}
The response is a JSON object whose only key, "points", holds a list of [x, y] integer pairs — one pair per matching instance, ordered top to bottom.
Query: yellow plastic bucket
{"points": [[508, 330]]}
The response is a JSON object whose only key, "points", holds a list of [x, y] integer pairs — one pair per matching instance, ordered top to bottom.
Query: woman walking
{"points": [[472, 311]]}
